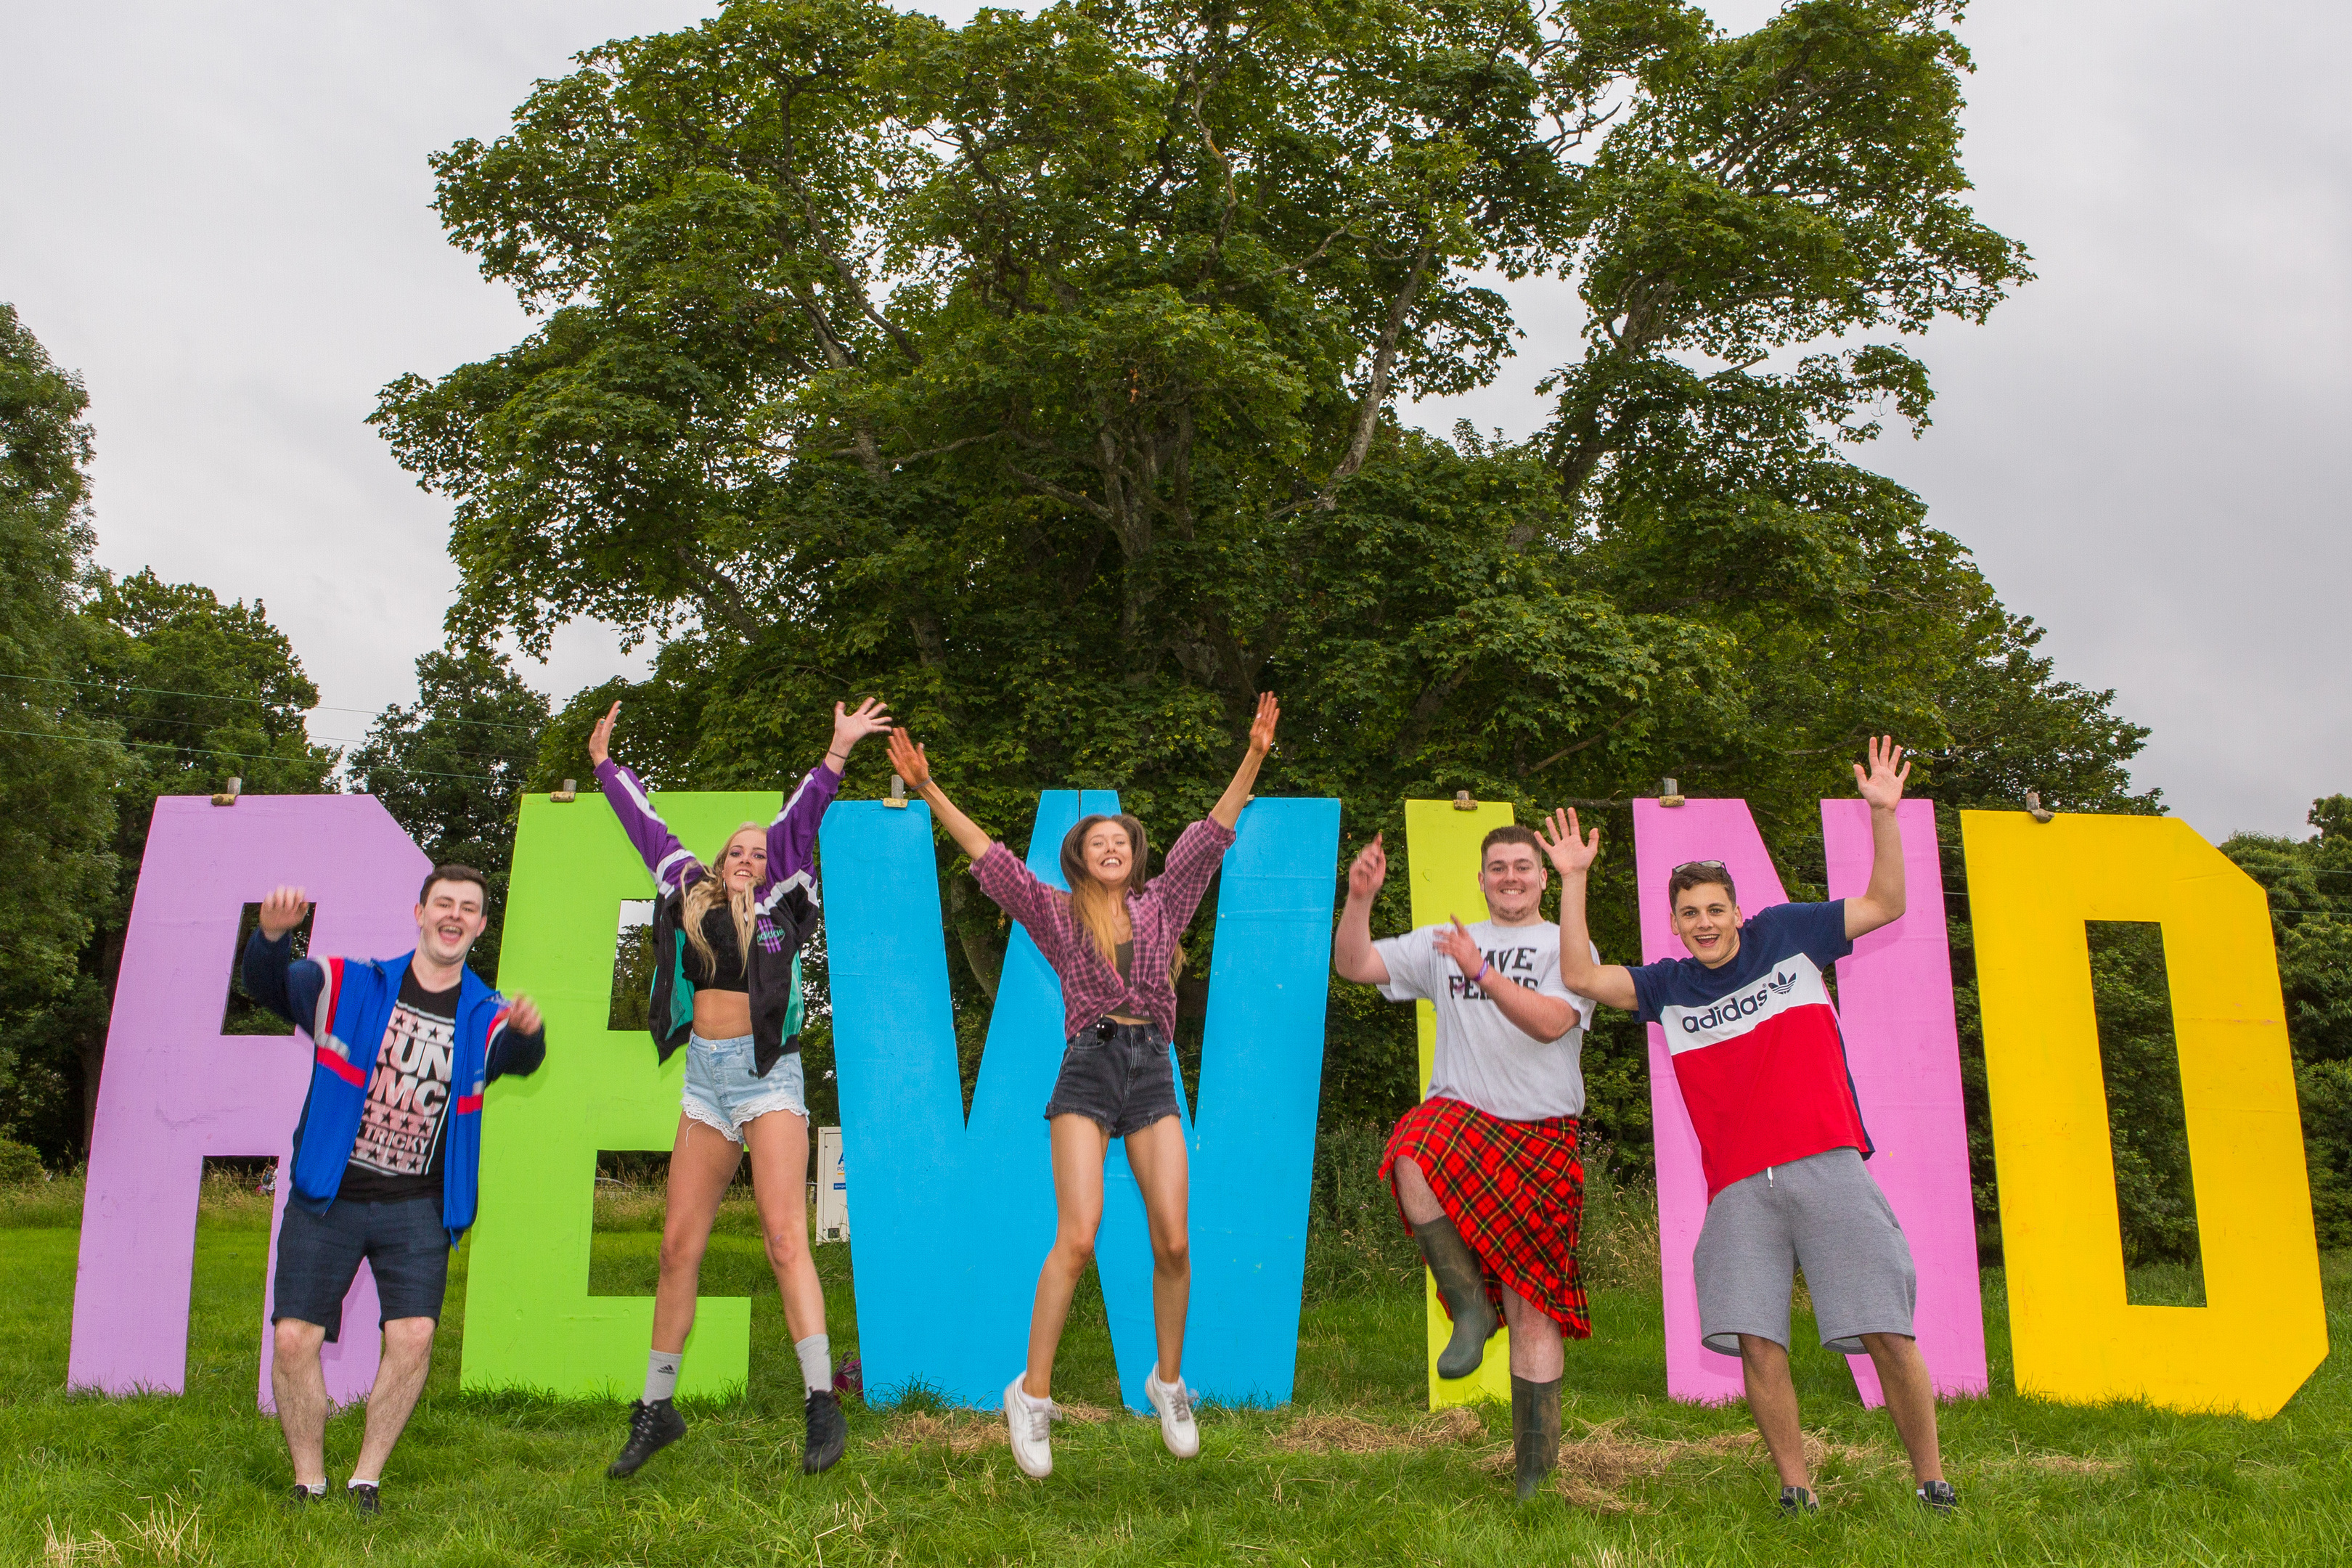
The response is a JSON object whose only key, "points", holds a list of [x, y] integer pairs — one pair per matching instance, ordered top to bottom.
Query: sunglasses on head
{"points": [[1697, 866]]}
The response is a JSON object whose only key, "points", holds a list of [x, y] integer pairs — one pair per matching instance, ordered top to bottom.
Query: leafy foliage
{"points": [[1040, 374], [451, 767]]}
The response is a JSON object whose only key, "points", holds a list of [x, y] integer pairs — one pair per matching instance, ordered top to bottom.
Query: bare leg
{"points": [[1079, 1145], [780, 1154], [702, 1163], [1161, 1167], [1413, 1193], [1537, 1354], [399, 1379], [299, 1387], [1910, 1399], [1772, 1401]]}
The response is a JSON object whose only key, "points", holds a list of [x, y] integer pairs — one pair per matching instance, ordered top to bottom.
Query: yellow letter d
{"points": [[2032, 886]]}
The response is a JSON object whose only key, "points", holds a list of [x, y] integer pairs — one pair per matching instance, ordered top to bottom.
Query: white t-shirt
{"points": [[1483, 1059]]}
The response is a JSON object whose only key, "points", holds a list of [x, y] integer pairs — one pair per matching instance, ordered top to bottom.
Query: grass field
{"points": [[1355, 1471]]}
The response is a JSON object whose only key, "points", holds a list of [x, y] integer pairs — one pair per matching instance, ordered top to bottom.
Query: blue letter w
{"points": [[951, 1219]]}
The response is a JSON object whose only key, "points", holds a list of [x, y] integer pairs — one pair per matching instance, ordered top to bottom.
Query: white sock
{"points": [[816, 1361], [661, 1374], [1021, 1387], [357, 1481], [318, 1489]]}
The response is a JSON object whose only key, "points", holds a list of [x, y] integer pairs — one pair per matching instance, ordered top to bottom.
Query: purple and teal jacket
{"points": [[784, 913], [344, 1004]]}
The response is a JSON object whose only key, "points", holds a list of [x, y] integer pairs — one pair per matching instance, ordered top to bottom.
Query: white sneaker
{"points": [[1174, 1403], [1031, 1423]]}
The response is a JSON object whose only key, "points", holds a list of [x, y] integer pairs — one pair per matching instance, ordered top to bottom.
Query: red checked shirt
{"points": [[1091, 987]]}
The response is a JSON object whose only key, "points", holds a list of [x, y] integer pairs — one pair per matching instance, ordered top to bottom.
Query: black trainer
{"points": [[652, 1428], [829, 1433], [1937, 1495], [304, 1497], [366, 1499], [1797, 1501]]}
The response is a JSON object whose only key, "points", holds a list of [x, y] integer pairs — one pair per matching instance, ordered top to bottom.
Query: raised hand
{"points": [[872, 718], [1261, 735], [600, 738], [908, 760], [1882, 786], [1571, 856], [1369, 870], [282, 911], [1460, 946], [522, 1015]]}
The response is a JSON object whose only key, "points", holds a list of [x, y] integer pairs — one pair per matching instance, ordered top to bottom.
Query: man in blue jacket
{"points": [[387, 1154]]}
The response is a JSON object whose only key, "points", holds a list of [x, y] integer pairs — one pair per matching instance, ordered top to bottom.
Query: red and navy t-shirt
{"points": [[1756, 1046]]}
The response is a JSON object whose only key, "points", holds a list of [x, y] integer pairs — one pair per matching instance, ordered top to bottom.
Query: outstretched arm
{"points": [[910, 763], [1882, 786], [1228, 809], [792, 837], [664, 856], [1572, 856], [1353, 956]]}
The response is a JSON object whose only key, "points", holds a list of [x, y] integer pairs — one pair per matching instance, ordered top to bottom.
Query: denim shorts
{"points": [[1122, 1075], [722, 1093], [318, 1257]]}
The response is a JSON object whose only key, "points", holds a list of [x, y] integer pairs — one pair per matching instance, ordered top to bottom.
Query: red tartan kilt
{"points": [[1516, 1191]]}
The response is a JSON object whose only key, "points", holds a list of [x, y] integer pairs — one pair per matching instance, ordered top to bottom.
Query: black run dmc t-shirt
{"points": [[398, 1154]]}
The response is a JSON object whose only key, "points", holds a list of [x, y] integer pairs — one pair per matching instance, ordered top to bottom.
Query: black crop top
{"points": [[727, 972]]}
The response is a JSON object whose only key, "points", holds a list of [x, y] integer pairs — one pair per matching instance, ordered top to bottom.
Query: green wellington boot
{"points": [[1463, 1283], [1535, 1432]]}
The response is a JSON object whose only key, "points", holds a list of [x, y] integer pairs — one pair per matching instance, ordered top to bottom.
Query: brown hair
{"points": [[1511, 833], [451, 872], [1699, 874], [704, 896]]}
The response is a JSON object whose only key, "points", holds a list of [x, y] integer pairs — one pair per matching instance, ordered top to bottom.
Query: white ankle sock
{"points": [[816, 1361], [661, 1374], [361, 1481], [316, 1489]]}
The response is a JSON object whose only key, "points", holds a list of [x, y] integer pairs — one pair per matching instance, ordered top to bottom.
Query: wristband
{"points": [[1482, 972]]}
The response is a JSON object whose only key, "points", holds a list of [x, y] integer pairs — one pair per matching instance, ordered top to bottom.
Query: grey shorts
{"points": [[1121, 1074], [722, 1093], [1824, 1213]]}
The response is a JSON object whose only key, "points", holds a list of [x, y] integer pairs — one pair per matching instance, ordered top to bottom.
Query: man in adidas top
{"points": [[1754, 1041], [1486, 1171]]}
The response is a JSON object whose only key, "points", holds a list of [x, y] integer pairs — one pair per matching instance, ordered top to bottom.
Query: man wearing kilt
{"points": [[1486, 1171]]}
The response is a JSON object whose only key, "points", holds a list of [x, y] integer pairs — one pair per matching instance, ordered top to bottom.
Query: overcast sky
{"points": [[219, 216]]}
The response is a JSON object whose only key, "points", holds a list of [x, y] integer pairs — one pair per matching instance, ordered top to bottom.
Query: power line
{"points": [[256, 702], [208, 751]]}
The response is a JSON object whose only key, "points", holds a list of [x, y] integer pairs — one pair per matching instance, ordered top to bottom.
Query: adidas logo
{"points": [[1782, 984]]}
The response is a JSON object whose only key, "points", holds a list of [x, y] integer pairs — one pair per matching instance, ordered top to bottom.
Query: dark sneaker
{"points": [[652, 1428], [828, 1434], [1937, 1495], [304, 1497], [366, 1499], [1797, 1501]]}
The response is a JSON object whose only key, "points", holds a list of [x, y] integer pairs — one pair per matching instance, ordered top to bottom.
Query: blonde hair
{"points": [[704, 896], [1092, 903]]}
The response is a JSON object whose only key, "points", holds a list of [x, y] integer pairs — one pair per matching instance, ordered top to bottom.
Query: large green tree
{"points": [[1041, 374], [451, 766], [56, 810]]}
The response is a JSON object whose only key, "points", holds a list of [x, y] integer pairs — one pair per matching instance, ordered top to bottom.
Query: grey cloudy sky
{"points": [[219, 216]]}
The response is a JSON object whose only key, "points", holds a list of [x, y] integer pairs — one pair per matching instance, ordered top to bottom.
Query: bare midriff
{"points": [[722, 1015]]}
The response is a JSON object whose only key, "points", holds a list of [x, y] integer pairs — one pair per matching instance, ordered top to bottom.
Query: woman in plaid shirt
{"points": [[1113, 940]]}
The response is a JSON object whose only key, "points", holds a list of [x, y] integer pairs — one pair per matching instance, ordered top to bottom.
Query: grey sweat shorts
{"points": [[1824, 1213]]}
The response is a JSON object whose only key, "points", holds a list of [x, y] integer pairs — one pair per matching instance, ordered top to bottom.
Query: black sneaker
{"points": [[652, 1428], [828, 1434], [1937, 1495], [304, 1497], [364, 1498], [1797, 1501]]}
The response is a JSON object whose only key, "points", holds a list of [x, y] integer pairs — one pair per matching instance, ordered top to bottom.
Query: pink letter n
{"points": [[177, 1089]]}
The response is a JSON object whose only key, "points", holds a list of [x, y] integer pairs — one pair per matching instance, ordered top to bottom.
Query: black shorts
{"points": [[1122, 1075], [318, 1257]]}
